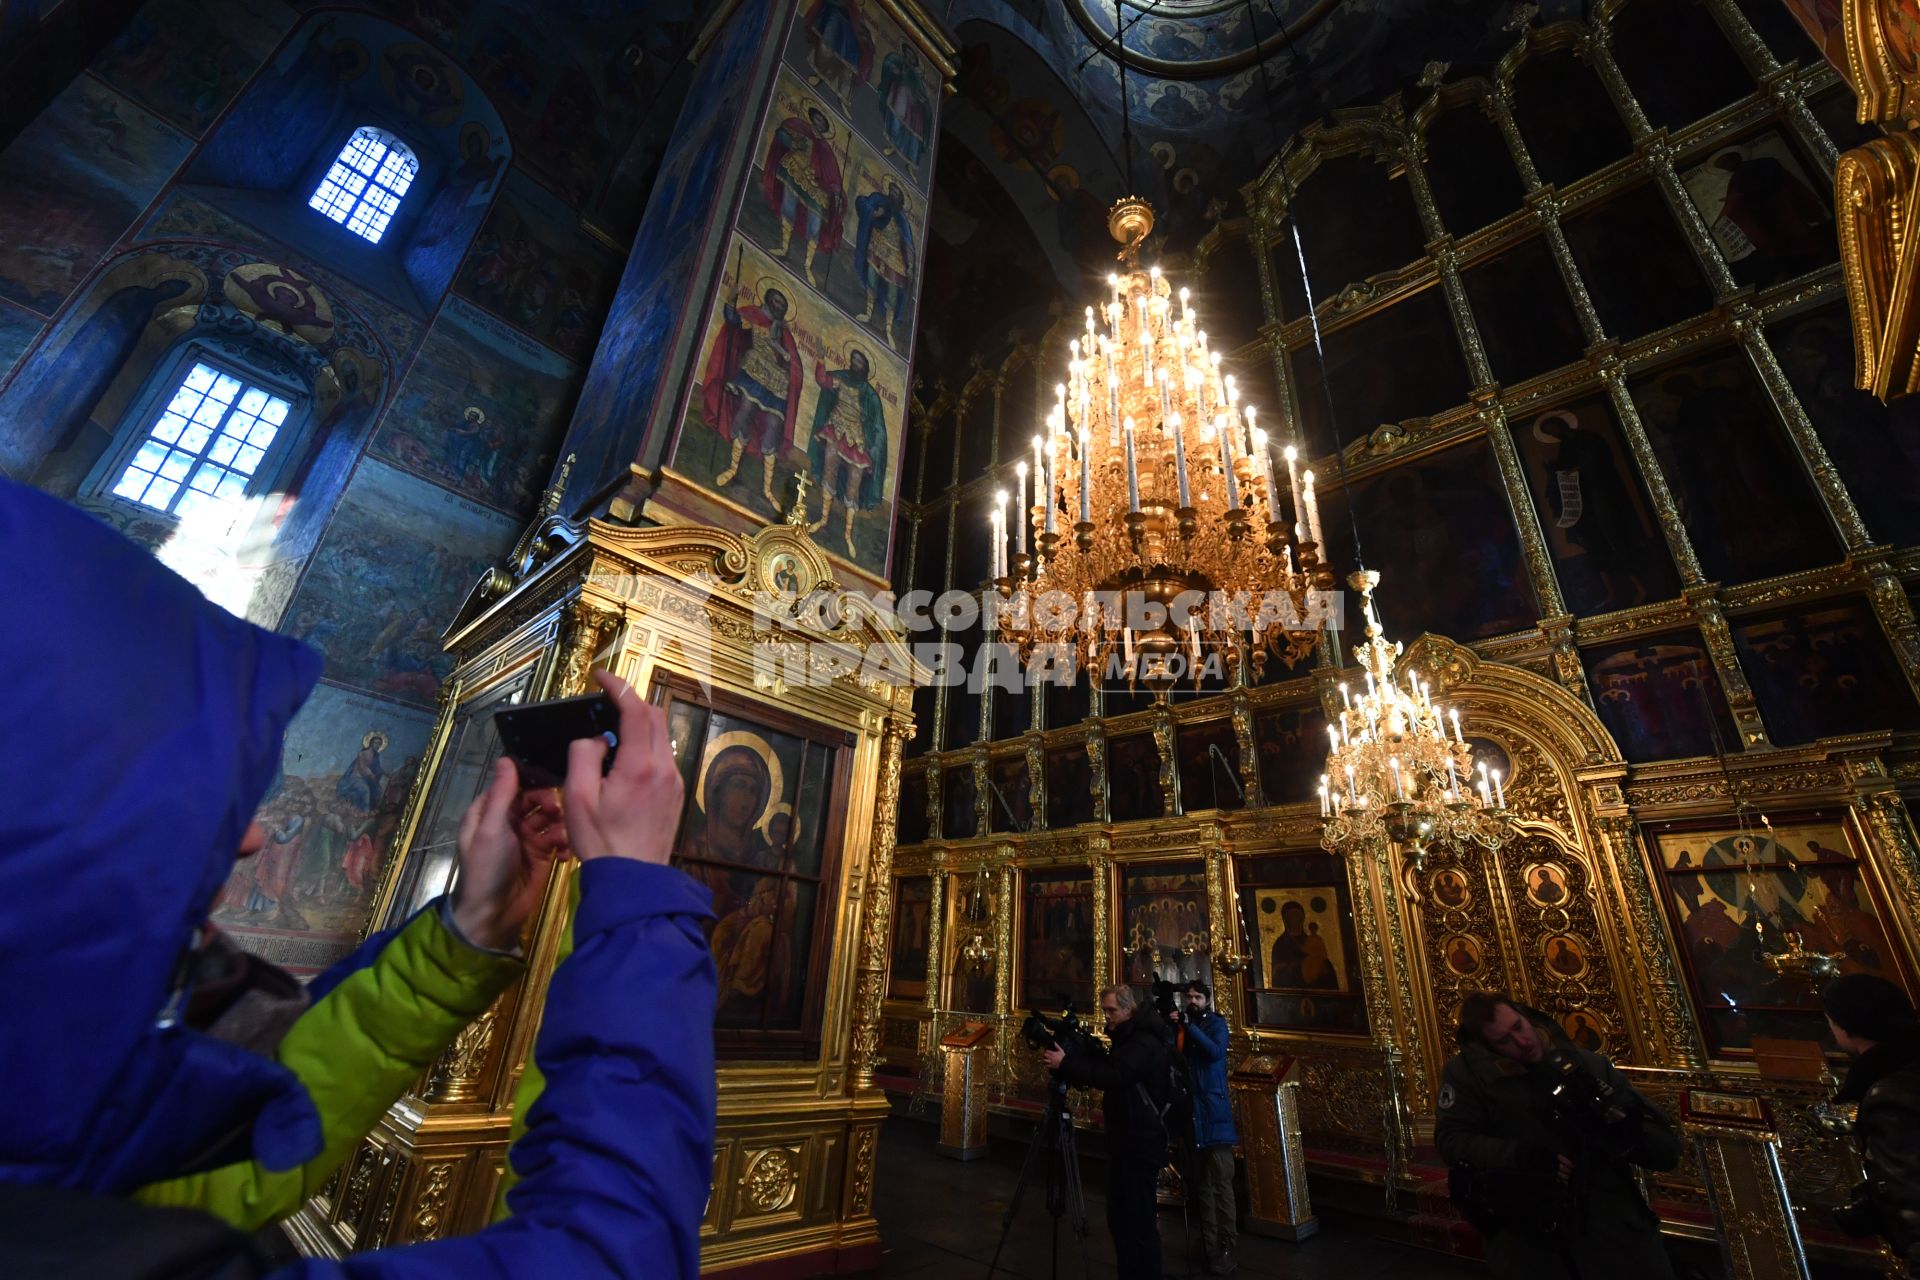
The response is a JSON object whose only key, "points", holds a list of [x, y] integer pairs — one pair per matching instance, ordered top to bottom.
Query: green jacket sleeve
{"points": [[357, 1050]]}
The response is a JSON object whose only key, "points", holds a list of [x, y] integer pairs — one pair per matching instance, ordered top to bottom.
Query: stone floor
{"points": [[940, 1218]]}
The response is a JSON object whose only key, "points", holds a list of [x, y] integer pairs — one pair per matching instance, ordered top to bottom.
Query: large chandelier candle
{"points": [[1152, 480], [1398, 764]]}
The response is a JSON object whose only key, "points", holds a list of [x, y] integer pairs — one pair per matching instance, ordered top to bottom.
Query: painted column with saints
{"points": [[765, 333]]}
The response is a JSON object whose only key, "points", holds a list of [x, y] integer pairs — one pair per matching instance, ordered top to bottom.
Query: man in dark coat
{"points": [[1873, 1020], [1205, 1046], [1134, 1074], [1545, 1134]]}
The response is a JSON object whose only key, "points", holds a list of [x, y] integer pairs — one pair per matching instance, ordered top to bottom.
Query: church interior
{"points": [[1541, 371]]}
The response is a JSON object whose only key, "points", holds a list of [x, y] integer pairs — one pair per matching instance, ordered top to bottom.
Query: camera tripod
{"points": [[1054, 1147]]}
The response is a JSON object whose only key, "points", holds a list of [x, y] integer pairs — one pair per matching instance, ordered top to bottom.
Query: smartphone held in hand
{"points": [[538, 734]]}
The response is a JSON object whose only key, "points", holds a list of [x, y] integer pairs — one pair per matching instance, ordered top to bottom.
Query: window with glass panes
{"points": [[366, 183], [206, 445]]}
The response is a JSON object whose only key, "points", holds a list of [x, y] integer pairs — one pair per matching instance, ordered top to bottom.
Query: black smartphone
{"points": [[538, 734]]}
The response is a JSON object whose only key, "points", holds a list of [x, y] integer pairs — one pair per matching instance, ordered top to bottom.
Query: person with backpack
{"points": [[1203, 1044], [1135, 1076]]}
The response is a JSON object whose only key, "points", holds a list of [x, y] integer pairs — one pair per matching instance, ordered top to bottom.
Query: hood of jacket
{"points": [[144, 726]]}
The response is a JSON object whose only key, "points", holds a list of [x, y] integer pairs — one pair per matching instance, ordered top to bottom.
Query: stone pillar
{"points": [[782, 242]]}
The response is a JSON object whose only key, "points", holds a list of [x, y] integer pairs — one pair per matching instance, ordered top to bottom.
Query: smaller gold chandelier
{"points": [[1399, 767]]}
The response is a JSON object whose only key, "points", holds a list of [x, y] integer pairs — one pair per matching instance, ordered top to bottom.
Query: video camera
{"points": [[1167, 997], [1065, 1032], [1600, 1112]]}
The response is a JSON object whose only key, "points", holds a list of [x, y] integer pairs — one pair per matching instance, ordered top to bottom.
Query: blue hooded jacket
{"points": [[143, 727]]}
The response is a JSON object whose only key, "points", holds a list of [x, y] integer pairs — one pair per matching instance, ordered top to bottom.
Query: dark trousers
{"points": [[1215, 1211], [1133, 1217]]}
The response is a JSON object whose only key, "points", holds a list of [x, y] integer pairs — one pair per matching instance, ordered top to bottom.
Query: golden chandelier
{"points": [[1157, 529], [1399, 766]]}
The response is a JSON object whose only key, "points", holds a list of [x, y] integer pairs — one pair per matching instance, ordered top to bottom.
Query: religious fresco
{"points": [[857, 59], [185, 60], [76, 178], [824, 205], [1765, 211], [183, 214], [533, 267], [1639, 270], [18, 329], [1415, 337], [789, 385], [616, 405], [480, 410], [1875, 447], [1727, 461], [1601, 528], [1440, 532], [396, 561], [1821, 670], [1659, 698], [347, 768], [1133, 777], [1208, 780], [1069, 787], [957, 795], [1011, 807], [911, 824], [756, 831], [1737, 894], [973, 903], [1162, 926], [1296, 931], [1056, 948], [907, 951]]}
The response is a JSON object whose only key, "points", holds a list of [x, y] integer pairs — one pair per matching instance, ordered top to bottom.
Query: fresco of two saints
{"points": [[804, 367], [754, 832]]}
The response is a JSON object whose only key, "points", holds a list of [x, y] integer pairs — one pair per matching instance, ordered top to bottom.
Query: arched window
{"points": [[367, 182], [206, 445]]}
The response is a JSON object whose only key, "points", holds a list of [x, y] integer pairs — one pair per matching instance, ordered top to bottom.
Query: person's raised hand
{"points": [[634, 810], [500, 877]]}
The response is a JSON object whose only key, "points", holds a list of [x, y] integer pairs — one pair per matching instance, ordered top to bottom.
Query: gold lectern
{"points": [[789, 704], [963, 1104], [1266, 1104]]}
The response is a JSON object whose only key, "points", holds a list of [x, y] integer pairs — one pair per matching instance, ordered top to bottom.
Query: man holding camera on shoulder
{"points": [[1205, 1047], [1134, 1074], [1541, 1137]]}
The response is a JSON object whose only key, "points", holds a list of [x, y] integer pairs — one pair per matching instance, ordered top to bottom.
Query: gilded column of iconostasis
{"points": [[1587, 342]]}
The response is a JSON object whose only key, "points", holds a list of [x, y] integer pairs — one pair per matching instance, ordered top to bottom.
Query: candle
{"points": [[1166, 409], [1113, 410], [1292, 456], [1180, 461], [1226, 463], [1266, 470], [1133, 475], [1053, 477], [1086, 478], [1023, 509], [1313, 510], [1000, 533], [993, 543], [1345, 701], [1453, 714], [1333, 738], [1399, 786], [1499, 792], [1353, 797], [1325, 808]]}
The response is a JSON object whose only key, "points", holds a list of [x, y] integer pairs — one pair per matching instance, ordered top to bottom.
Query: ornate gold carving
{"points": [[1874, 194], [1655, 479], [1533, 543], [1895, 611], [586, 629], [1718, 635], [870, 985], [456, 1076], [866, 1143], [771, 1179], [429, 1209], [378, 1232]]}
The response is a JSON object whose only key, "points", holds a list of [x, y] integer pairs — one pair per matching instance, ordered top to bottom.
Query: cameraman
{"points": [[1205, 1047], [1134, 1075], [1541, 1137]]}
